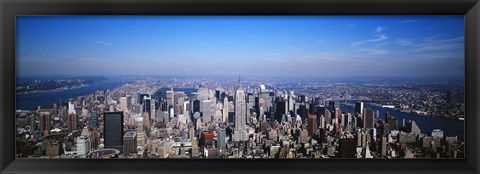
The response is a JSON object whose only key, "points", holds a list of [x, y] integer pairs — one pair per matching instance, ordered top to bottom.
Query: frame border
{"points": [[11, 8]]}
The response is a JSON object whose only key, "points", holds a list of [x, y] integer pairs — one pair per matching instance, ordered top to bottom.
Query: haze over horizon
{"points": [[337, 46]]}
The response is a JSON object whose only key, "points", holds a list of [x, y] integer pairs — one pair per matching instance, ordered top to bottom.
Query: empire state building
{"points": [[240, 133]]}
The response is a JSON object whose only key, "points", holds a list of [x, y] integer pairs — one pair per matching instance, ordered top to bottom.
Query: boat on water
{"points": [[461, 119]]}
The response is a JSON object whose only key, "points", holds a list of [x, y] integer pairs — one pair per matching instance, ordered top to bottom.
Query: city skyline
{"points": [[339, 46]]}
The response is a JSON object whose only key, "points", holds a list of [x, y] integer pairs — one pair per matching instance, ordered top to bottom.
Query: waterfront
{"points": [[46, 100], [450, 127]]}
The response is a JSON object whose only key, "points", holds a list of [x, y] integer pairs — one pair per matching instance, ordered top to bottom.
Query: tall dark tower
{"points": [[113, 130]]}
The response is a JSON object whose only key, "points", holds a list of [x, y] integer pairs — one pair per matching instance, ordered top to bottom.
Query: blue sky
{"points": [[250, 45]]}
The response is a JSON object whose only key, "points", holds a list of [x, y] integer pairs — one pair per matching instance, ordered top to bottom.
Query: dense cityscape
{"points": [[227, 87], [235, 117]]}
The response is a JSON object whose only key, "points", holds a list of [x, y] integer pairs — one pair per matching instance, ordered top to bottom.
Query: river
{"points": [[450, 127]]}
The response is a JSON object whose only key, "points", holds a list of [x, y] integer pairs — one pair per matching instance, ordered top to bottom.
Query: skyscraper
{"points": [[170, 97], [123, 104], [147, 104], [359, 107], [206, 110], [225, 110], [337, 115], [368, 118], [93, 119], [312, 124], [113, 130], [240, 133], [130, 142], [221, 142]]}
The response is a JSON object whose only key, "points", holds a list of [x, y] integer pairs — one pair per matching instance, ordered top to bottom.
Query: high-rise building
{"points": [[142, 96], [170, 97], [291, 102], [123, 104], [147, 105], [359, 107], [71, 108], [206, 110], [225, 110], [279, 110], [338, 112], [368, 118], [93, 119], [72, 122], [312, 124], [113, 130], [240, 133], [221, 140], [130, 142], [83, 145]]}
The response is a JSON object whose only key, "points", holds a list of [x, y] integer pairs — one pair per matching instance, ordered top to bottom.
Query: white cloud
{"points": [[379, 29], [379, 38], [435, 44]]}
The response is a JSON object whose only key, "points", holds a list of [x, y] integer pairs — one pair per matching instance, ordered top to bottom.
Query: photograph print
{"points": [[194, 87]]}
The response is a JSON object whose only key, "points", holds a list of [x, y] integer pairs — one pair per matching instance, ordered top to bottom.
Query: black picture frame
{"points": [[10, 8]]}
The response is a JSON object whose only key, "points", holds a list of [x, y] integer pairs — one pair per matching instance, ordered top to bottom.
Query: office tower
{"points": [[203, 94], [142, 96], [137, 97], [170, 97], [251, 100], [129, 102], [291, 102], [123, 104], [147, 104], [196, 106], [359, 107], [71, 108], [207, 110], [225, 110], [279, 110], [302, 111], [171, 112], [153, 114], [337, 116], [328, 117], [368, 118], [93, 119], [45, 122], [72, 122], [146, 122], [322, 122], [393, 123], [312, 124], [113, 130], [240, 133], [221, 140], [130, 143], [83, 145], [384, 146]]}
